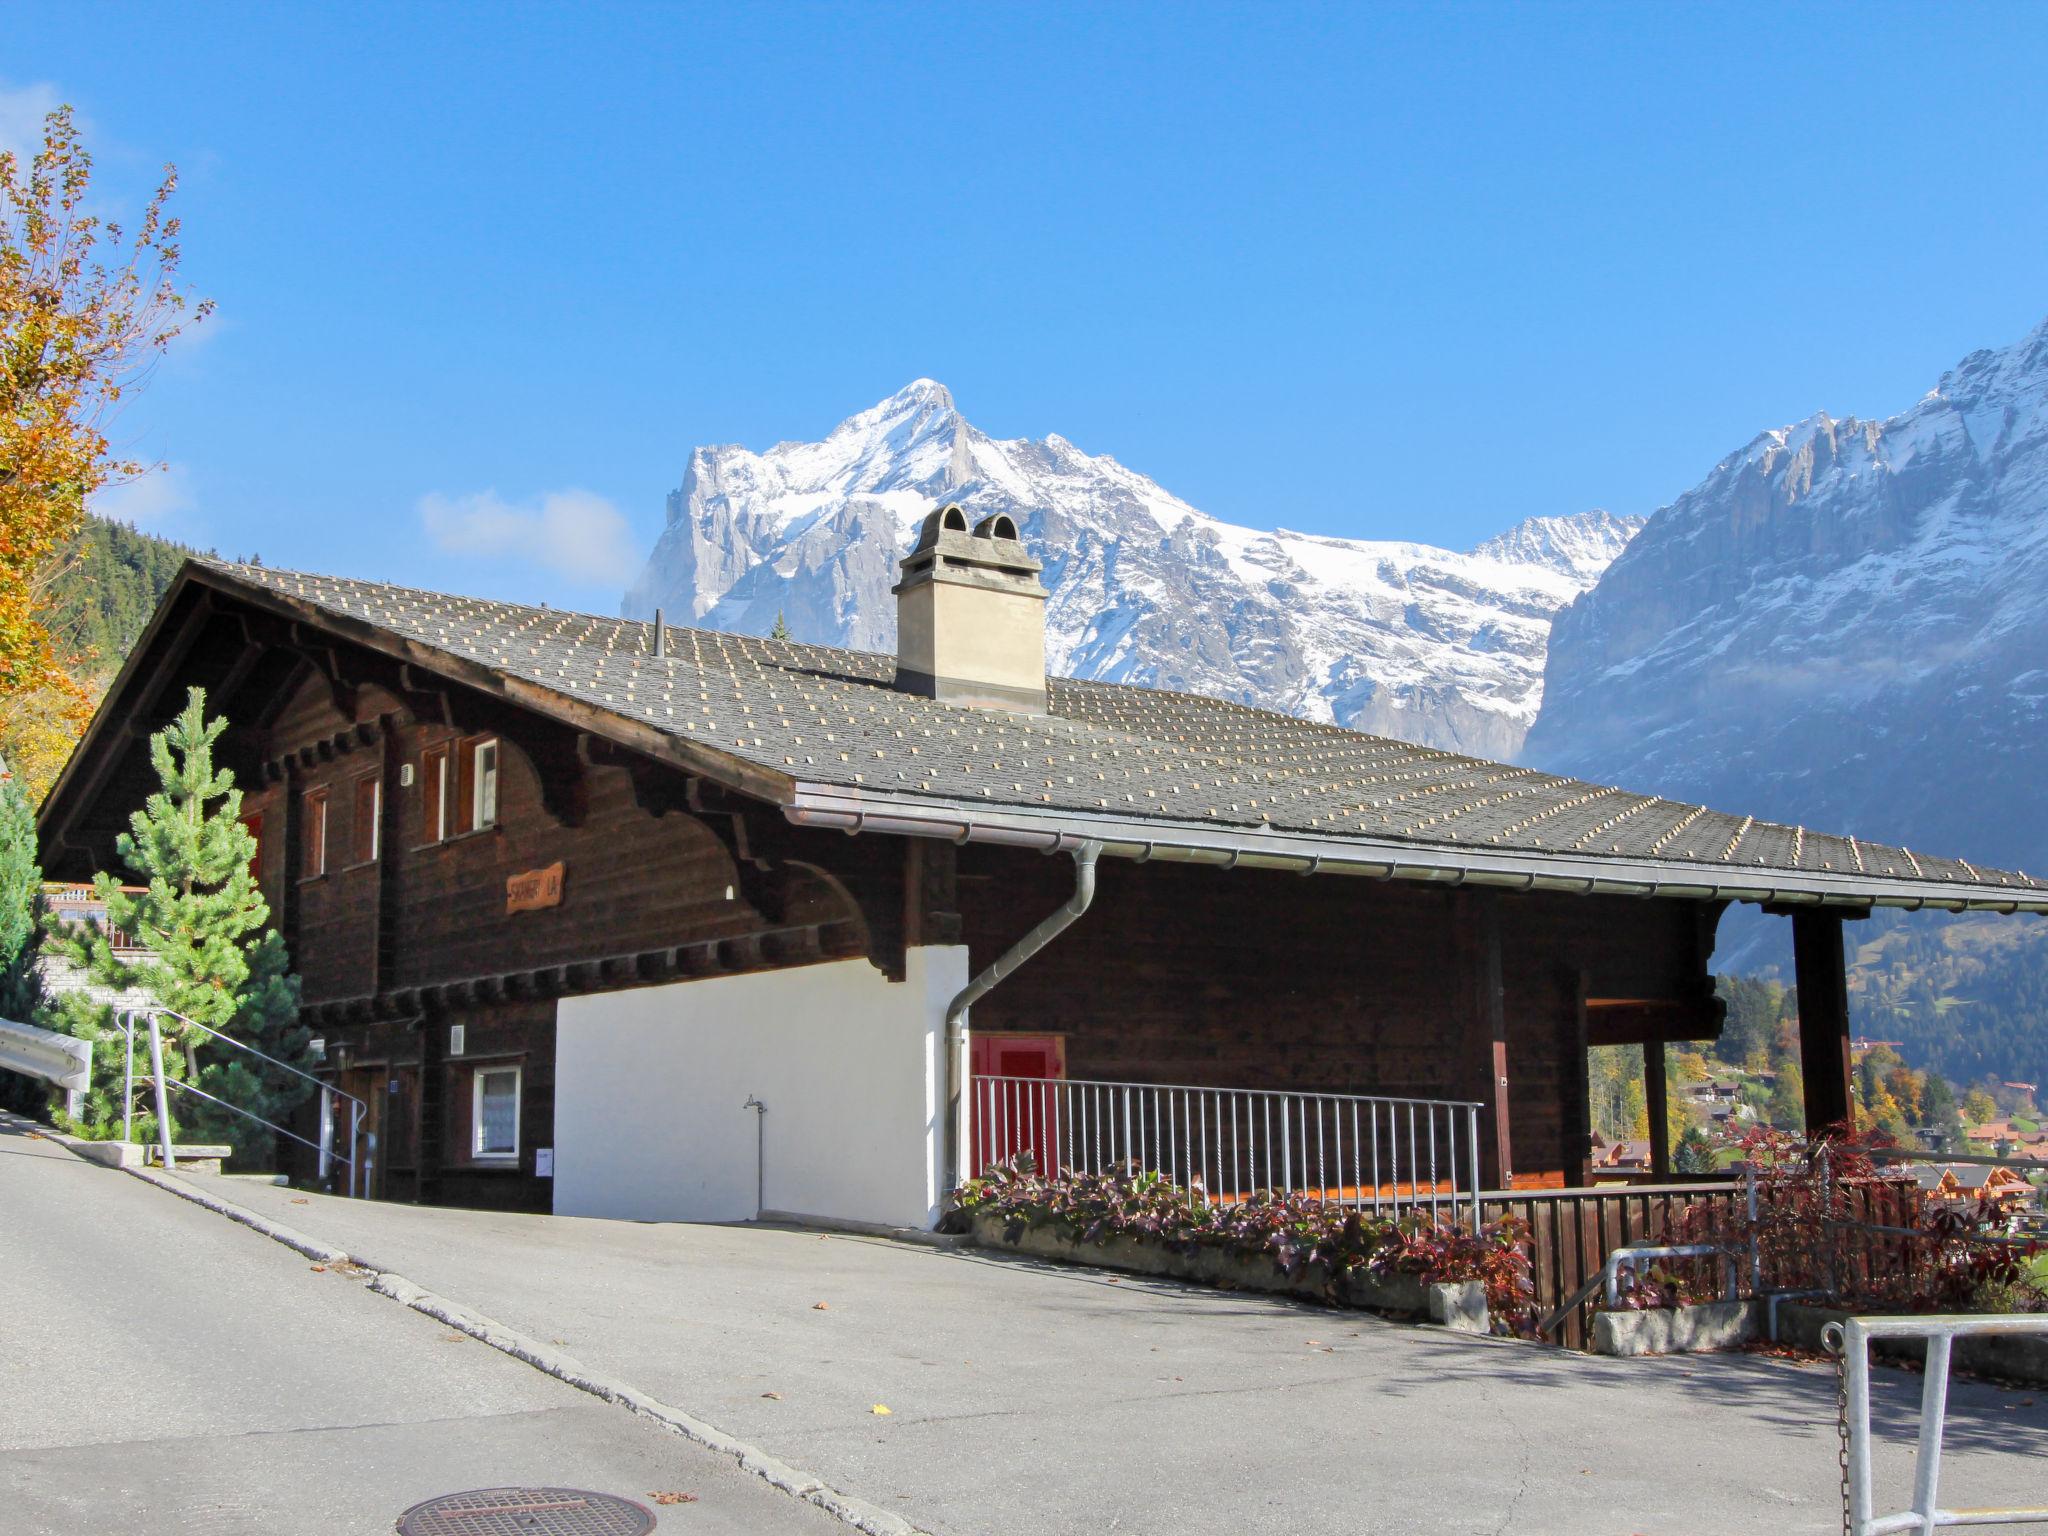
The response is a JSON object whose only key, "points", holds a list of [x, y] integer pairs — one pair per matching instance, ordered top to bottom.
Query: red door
{"points": [[1016, 1107]]}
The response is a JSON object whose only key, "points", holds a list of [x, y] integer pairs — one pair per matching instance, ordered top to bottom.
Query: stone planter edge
{"points": [[1458, 1305]]}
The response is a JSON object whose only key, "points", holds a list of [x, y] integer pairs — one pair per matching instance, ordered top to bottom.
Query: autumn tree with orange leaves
{"points": [[87, 307]]}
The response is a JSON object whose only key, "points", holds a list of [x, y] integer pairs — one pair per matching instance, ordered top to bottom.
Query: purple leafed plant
{"points": [[1305, 1237]]}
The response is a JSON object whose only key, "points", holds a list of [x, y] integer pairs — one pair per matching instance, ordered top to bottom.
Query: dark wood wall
{"points": [[393, 952], [1180, 973], [1244, 978]]}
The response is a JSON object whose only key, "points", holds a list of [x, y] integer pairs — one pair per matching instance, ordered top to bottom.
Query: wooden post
{"points": [[1477, 914], [1823, 1019], [1578, 1059], [1660, 1110]]}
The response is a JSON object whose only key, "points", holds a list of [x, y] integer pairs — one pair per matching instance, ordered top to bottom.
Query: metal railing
{"points": [[75, 903], [330, 1096], [1389, 1155], [1851, 1340]]}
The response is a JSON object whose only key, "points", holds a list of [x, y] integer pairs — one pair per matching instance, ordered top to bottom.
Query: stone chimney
{"points": [[970, 616]]}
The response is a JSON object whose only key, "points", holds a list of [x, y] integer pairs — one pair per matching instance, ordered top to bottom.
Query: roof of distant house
{"points": [[1140, 769]]}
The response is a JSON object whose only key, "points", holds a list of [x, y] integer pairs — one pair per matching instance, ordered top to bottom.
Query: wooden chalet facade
{"points": [[603, 917]]}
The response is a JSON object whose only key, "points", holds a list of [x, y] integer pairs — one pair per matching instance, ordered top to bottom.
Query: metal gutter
{"points": [[855, 811], [957, 1041]]}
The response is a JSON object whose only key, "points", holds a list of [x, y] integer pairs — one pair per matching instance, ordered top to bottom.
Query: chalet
{"points": [[614, 918], [2002, 1188]]}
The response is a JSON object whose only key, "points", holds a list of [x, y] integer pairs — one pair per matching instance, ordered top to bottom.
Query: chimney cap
{"points": [[994, 545]]}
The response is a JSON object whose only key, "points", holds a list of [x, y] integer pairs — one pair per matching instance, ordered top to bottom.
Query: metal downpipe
{"points": [[957, 1120]]}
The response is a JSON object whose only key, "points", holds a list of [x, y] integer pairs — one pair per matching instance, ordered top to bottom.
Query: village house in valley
{"points": [[618, 919]]}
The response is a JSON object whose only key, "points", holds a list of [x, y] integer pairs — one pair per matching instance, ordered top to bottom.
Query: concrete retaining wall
{"points": [[2016, 1357]]}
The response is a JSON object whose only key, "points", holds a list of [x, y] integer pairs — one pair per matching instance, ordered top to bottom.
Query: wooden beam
{"points": [[1476, 915], [1822, 978], [1578, 1096], [1657, 1099]]}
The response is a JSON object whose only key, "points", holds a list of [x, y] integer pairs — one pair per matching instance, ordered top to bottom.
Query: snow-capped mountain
{"points": [[1844, 625], [1402, 639]]}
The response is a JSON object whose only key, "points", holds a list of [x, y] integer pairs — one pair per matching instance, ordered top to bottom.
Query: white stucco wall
{"points": [[650, 1084]]}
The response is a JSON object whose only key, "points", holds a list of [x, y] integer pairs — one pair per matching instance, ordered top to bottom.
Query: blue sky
{"points": [[1403, 272]]}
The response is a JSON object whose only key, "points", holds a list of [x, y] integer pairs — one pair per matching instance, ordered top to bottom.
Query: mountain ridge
{"points": [[1845, 625], [1396, 637]]}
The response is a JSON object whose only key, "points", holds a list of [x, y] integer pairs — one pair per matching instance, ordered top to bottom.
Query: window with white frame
{"points": [[485, 811], [494, 1117]]}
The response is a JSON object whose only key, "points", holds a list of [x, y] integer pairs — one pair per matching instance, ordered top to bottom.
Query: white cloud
{"points": [[22, 110], [158, 494], [571, 533]]}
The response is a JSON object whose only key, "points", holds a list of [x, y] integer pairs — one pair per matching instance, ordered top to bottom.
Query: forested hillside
{"points": [[110, 586], [1964, 996]]}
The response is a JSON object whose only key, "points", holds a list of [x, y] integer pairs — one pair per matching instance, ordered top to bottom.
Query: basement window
{"points": [[494, 1114]]}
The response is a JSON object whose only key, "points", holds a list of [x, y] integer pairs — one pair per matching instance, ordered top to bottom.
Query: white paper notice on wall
{"points": [[543, 1162]]}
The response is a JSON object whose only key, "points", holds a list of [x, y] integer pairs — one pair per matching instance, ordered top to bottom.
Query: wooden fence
{"points": [[1571, 1231]]}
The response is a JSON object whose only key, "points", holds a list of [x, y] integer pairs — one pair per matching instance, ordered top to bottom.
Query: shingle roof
{"points": [[826, 717]]}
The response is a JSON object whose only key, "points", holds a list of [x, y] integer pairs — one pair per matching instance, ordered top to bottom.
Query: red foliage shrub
{"points": [[1302, 1235]]}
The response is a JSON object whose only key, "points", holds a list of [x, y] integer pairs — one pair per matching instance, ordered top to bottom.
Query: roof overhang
{"points": [[110, 728], [1230, 847]]}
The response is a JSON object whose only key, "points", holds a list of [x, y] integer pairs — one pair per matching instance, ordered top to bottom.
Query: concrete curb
{"points": [[858, 1513]]}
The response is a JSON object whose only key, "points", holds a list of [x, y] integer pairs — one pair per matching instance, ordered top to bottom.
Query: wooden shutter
{"points": [[433, 794], [464, 817], [253, 824], [313, 845]]}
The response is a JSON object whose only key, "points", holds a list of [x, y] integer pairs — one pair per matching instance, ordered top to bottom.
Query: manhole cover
{"points": [[527, 1512]]}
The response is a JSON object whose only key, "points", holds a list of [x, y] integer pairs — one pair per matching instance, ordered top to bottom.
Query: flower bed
{"points": [[1138, 1220]]}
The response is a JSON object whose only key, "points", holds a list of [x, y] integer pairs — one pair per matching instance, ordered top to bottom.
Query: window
{"points": [[476, 784], [459, 788], [433, 794], [486, 808], [313, 826], [365, 837], [494, 1119]]}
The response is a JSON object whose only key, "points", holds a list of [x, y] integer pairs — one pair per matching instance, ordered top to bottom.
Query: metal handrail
{"points": [[243, 1045], [329, 1093], [213, 1098], [1381, 1152], [1850, 1340]]}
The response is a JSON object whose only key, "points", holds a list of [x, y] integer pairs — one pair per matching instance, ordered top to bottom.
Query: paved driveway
{"points": [[168, 1371], [1032, 1397]]}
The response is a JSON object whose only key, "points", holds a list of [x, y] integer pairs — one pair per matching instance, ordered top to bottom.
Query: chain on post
{"points": [[1836, 1340]]}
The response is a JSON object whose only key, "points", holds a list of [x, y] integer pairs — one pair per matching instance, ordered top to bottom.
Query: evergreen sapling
{"points": [[206, 952]]}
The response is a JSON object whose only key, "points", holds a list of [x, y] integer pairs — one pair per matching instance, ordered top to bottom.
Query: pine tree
{"points": [[781, 629], [21, 884], [209, 954], [1694, 1152]]}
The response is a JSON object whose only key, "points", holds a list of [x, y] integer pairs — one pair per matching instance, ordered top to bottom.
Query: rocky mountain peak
{"points": [[1843, 624], [1404, 639]]}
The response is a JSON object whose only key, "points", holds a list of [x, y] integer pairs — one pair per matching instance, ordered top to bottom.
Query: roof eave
{"points": [[735, 773], [853, 810]]}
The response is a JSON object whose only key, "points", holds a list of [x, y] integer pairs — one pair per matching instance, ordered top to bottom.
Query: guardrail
{"points": [[43, 1053], [330, 1095], [1389, 1155], [1851, 1342]]}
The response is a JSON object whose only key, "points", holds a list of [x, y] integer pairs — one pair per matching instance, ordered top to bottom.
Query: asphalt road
{"points": [[166, 1371], [1027, 1397]]}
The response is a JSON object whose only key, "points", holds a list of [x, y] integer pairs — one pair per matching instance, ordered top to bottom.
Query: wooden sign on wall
{"points": [[534, 889]]}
